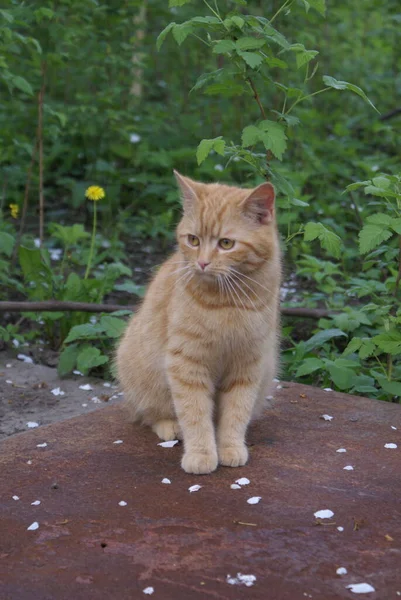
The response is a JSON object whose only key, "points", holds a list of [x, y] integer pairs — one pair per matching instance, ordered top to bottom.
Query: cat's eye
{"points": [[193, 241], [226, 244]]}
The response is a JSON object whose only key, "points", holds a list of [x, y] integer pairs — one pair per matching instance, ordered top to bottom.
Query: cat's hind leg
{"points": [[167, 429]]}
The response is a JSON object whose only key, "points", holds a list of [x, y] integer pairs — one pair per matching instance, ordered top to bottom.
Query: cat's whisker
{"points": [[179, 270], [183, 277], [251, 279], [236, 284], [253, 291]]}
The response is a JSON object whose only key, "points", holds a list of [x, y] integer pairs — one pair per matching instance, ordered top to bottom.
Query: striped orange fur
{"points": [[199, 357]]}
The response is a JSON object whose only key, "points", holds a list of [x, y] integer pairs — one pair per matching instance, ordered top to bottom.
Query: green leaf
{"points": [[172, 3], [319, 5], [7, 16], [238, 21], [181, 32], [163, 34], [249, 43], [223, 46], [252, 59], [273, 62], [22, 84], [344, 85], [225, 89], [250, 136], [274, 137], [206, 146], [381, 182], [356, 185], [376, 191], [380, 219], [396, 225], [372, 236], [328, 239], [6, 243], [36, 272], [131, 288], [113, 326], [85, 331], [320, 338], [389, 342], [353, 346], [367, 349], [89, 358], [68, 360], [308, 366], [342, 377], [390, 387]]}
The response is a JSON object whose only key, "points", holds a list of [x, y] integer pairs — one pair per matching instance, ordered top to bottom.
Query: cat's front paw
{"points": [[167, 429], [233, 456], [199, 463]]}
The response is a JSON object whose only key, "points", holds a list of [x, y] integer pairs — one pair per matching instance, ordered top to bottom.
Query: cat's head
{"points": [[226, 228]]}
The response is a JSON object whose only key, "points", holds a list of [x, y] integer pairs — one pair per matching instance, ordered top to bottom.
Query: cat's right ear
{"points": [[188, 194]]}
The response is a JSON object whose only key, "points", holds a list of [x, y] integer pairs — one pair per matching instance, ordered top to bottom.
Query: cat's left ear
{"points": [[187, 192], [259, 205]]}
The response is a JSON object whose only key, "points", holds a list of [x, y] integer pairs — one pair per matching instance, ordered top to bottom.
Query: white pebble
{"points": [[15, 343], [25, 358], [8, 366], [78, 373], [276, 380], [9, 381], [106, 384], [86, 387], [327, 390], [57, 392], [269, 397], [96, 400], [85, 405], [327, 417], [32, 424], [392, 426], [118, 442], [168, 444], [41, 445], [390, 445], [341, 450], [28, 462], [348, 468], [166, 480], [243, 481], [235, 486], [194, 488], [15, 497], [254, 500], [36, 503], [122, 503], [324, 514], [35, 525], [340, 528], [341, 571], [241, 579], [360, 588], [149, 590]]}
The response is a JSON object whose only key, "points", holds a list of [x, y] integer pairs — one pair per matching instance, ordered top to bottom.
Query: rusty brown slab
{"points": [[184, 545]]}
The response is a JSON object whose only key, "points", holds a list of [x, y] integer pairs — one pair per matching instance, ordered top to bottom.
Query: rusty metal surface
{"points": [[185, 544]]}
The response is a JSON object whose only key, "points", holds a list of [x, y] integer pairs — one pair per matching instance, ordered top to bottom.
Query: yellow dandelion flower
{"points": [[95, 193], [14, 209]]}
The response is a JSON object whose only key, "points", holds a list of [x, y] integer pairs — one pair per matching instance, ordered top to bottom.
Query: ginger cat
{"points": [[198, 358]]}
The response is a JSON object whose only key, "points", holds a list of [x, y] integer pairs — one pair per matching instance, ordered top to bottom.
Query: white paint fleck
{"points": [[134, 138], [218, 168], [36, 242], [93, 319], [16, 343], [25, 358], [8, 366], [78, 373], [276, 380], [9, 381], [106, 384], [86, 387], [279, 387], [327, 390], [57, 392], [120, 393], [269, 398], [96, 400], [85, 405], [327, 417], [32, 424], [392, 426], [118, 442], [168, 444], [41, 445], [390, 446], [341, 450], [28, 462], [348, 468], [166, 480], [243, 481], [235, 486], [194, 488], [15, 497], [254, 500], [36, 503], [122, 503], [324, 514], [35, 525], [340, 528], [341, 571], [241, 579], [361, 588], [149, 590]]}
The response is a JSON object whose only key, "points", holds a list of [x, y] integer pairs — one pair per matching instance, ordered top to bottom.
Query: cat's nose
{"points": [[203, 264]]}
